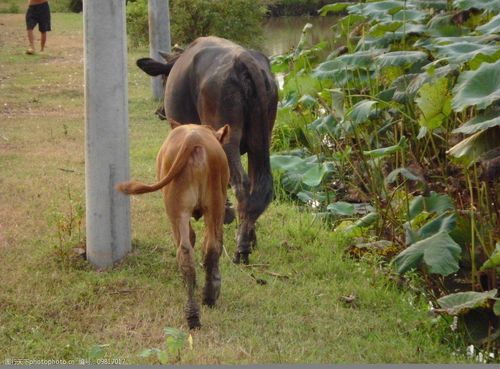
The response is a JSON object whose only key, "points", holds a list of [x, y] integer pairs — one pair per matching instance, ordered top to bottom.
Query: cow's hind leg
{"points": [[240, 185], [186, 262]]}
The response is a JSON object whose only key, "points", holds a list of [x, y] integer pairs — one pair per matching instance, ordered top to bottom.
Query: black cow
{"points": [[217, 82]]}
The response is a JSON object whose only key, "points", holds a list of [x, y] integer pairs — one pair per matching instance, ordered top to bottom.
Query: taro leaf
{"points": [[434, 4], [493, 5], [334, 8], [376, 10], [409, 15], [350, 21], [443, 26], [492, 27], [381, 29], [306, 30], [465, 51], [401, 58], [361, 59], [478, 88], [338, 98], [307, 101], [434, 103], [361, 111], [483, 121], [326, 124], [384, 151], [468, 151], [286, 162], [300, 171], [405, 172], [314, 176], [311, 197], [434, 203], [341, 208], [366, 221], [444, 222], [439, 253], [494, 260], [460, 303]]}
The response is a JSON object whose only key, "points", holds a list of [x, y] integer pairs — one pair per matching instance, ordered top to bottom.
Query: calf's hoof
{"points": [[229, 215], [241, 257], [211, 295]]}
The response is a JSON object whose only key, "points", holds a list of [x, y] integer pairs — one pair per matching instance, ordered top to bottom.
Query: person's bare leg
{"points": [[43, 40], [31, 48]]}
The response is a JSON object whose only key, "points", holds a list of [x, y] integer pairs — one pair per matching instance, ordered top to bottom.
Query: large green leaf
{"points": [[434, 4], [493, 5], [333, 8], [380, 10], [409, 15], [443, 25], [492, 27], [381, 29], [465, 51], [401, 58], [360, 59], [478, 88], [435, 103], [361, 111], [481, 122], [470, 150], [385, 151], [300, 171], [404, 172], [314, 176], [434, 203], [341, 208], [366, 221], [444, 222], [439, 253], [494, 260], [460, 303]]}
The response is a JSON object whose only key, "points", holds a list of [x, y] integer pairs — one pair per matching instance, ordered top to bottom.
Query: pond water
{"points": [[281, 34]]}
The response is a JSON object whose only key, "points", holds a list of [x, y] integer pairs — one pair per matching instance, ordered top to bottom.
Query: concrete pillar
{"points": [[159, 38], [106, 118]]}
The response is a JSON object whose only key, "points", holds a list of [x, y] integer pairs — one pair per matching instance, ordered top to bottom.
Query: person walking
{"points": [[38, 13]]}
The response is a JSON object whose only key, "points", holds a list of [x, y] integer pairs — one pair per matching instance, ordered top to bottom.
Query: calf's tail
{"points": [[180, 161]]}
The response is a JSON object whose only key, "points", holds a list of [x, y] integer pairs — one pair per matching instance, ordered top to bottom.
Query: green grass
{"points": [[54, 306]]}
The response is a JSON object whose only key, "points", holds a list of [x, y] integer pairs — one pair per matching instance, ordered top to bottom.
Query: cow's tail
{"points": [[260, 92], [180, 161]]}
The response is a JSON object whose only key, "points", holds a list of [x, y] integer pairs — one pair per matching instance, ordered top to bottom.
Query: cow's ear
{"points": [[152, 67], [174, 124], [223, 134]]}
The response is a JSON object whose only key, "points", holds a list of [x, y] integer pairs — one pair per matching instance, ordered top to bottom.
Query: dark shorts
{"points": [[38, 14]]}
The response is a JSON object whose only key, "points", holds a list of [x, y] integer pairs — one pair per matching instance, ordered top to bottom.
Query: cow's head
{"points": [[155, 68]]}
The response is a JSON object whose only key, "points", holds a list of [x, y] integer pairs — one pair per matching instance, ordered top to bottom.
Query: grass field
{"points": [[53, 306]]}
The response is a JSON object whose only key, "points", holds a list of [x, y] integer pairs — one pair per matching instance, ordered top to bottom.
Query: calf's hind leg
{"points": [[212, 248], [186, 262]]}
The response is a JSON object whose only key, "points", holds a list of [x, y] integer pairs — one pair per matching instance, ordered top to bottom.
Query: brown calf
{"points": [[193, 174]]}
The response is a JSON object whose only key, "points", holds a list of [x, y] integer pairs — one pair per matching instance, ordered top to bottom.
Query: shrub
{"points": [[238, 20]]}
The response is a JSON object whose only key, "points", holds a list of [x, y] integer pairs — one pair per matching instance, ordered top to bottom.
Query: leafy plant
{"points": [[175, 341]]}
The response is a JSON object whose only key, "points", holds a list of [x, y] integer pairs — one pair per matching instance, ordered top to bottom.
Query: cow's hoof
{"points": [[229, 215], [240, 257], [209, 301], [194, 322]]}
